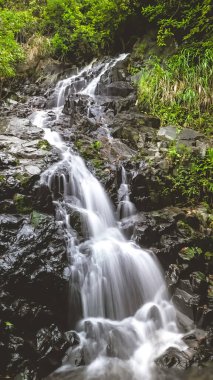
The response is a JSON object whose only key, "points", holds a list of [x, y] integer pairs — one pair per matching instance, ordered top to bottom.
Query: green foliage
{"points": [[185, 20], [14, 27], [83, 28], [76, 29], [180, 90], [44, 145], [97, 145], [192, 174], [22, 203], [37, 218], [189, 253], [8, 325]]}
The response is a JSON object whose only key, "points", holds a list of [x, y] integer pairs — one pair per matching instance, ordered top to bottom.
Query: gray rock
{"points": [[122, 89], [23, 129], [167, 133], [189, 134], [186, 136], [33, 170], [186, 302], [173, 358]]}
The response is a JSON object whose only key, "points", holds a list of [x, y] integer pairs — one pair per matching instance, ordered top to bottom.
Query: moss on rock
{"points": [[44, 145], [22, 203], [37, 218]]}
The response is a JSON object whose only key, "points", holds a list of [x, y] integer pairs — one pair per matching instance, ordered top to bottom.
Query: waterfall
{"points": [[125, 319]]}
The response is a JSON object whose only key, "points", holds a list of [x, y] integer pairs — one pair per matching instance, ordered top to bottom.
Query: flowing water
{"points": [[125, 207], [117, 291]]}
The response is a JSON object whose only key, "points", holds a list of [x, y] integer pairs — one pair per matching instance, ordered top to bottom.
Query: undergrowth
{"points": [[179, 91], [192, 176]]}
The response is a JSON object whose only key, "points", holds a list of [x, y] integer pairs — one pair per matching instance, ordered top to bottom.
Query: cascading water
{"points": [[92, 86], [125, 207], [125, 317]]}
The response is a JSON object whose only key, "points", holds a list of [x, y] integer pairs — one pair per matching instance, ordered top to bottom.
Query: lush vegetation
{"points": [[187, 21], [14, 28], [84, 28], [69, 29], [81, 29], [179, 88], [179, 91], [191, 179]]}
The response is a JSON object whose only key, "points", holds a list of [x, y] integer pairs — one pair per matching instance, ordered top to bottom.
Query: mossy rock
{"points": [[43, 144], [90, 150], [97, 163], [2, 178], [24, 179], [22, 203], [37, 218], [185, 228], [190, 253]]}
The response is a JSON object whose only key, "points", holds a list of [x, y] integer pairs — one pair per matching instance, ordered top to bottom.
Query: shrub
{"points": [[180, 90], [192, 174]]}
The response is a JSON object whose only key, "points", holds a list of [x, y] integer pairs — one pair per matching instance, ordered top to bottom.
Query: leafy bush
{"points": [[185, 20], [14, 28], [82, 29], [180, 90], [192, 174]]}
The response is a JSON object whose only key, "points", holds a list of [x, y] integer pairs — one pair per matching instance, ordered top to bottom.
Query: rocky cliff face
{"points": [[33, 286]]}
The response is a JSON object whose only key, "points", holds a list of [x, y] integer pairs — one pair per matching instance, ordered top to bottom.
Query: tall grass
{"points": [[180, 89]]}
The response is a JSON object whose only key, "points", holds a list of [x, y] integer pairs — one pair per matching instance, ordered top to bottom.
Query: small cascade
{"points": [[74, 84], [91, 88], [125, 207], [125, 319]]}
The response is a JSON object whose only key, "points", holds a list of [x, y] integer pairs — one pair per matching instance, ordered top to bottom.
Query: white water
{"points": [[64, 84], [90, 89], [125, 207], [117, 289]]}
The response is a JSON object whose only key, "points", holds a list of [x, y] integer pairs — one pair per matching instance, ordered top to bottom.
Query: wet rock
{"points": [[117, 73], [120, 88], [75, 104], [23, 157], [146, 188], [42, 198], [22, 203], [76, 220], [32, 287], [186, 303], [204, 316], [72, 337], [195, 338], [52, 345], [13, 353], [75, 357], [173, 358]]}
